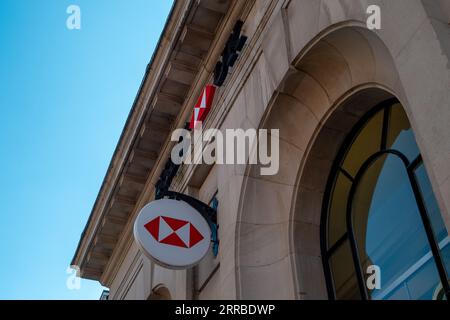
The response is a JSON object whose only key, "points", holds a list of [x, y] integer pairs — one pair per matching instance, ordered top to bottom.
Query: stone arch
{"points": [[341, 74]]}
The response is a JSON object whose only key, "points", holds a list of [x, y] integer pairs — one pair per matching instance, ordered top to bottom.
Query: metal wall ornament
{"points": [[230, 53]]}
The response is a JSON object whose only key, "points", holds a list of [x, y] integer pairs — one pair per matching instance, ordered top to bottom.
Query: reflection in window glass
{"points": [[400, 135], [367, 143], [430, 202], [386, 220], [336, 223], [388, 227], [439, 229], [345, 282], [423, 282], [418, 283]]}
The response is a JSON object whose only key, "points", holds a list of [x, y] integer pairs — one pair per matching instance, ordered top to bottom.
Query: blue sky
{"points": [[64, 98]]}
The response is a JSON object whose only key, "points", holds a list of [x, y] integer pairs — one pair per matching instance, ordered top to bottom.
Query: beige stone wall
{"points": [[303, 59]]}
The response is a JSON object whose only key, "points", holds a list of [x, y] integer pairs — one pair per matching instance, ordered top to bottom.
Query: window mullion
{"points": [[385, 128], [430, 234], [353, 245]]}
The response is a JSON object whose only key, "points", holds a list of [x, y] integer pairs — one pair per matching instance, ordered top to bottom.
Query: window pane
{"points": [[400, 135], [367, 143], [431, 204], [336, 221], [439, 229], [389, 231], [445, 254], [343, 271], [420, 282], [423, 282], [399, 292]]}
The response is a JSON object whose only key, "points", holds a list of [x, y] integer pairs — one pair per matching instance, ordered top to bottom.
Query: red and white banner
{"points": [[203, 106]]}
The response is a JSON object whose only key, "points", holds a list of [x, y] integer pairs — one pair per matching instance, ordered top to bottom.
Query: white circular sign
{"points": [[172, 233]]}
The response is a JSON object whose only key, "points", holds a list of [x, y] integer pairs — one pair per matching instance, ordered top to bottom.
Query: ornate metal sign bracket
{"points": [[209, 213]]}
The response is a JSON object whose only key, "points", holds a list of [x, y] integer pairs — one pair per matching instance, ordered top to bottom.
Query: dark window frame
{"points": [[410, 166]]}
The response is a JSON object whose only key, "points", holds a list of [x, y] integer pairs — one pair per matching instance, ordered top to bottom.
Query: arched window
{"points": [[380, 210]]}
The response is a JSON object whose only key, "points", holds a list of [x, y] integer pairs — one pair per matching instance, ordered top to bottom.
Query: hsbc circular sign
{"points": [[172, 233]]}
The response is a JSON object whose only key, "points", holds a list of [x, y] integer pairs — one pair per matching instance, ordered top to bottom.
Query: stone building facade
{"points": [[311, 68]]}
